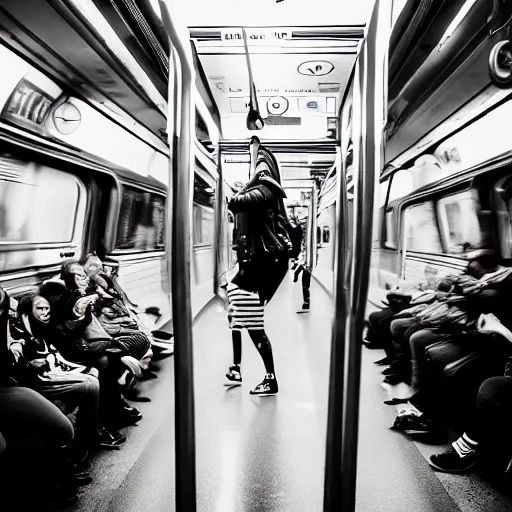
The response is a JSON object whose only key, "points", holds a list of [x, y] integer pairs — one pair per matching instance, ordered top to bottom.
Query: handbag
{"points": [[95, 339]]}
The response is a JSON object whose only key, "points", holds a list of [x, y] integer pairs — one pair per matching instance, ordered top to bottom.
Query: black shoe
{"points": [[304, 309], [373, 345], [383, 362], [389, 370], [148, 375], [234, 376], [395, 378], [268, 387], [134, 395], [396, 401], [128, 408], [130, 411], [126, 420], [411, 423], [110, 440], [451, 462], [82, 478], [63, 496], [58, 502]]}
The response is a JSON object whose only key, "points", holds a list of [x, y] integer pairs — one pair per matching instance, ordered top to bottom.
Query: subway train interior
{"points": [[318, 194]]}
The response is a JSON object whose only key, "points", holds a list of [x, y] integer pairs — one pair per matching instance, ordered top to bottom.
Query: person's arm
{"points": [[248, 200]]}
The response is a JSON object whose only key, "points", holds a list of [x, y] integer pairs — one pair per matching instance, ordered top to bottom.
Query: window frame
{"points": [[434, 196], [116, 212], [444, 227], [76, 236], [202, 245]]}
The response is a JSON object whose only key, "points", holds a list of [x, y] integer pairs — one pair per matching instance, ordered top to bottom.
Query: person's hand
{"points": [[16, 350], [41, 365]]}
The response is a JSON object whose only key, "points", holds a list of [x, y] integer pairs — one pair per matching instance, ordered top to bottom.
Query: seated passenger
{"points": [[160, 341], [410, 344], [39, 365], [419, 417], [491, 419], [29, 420]]}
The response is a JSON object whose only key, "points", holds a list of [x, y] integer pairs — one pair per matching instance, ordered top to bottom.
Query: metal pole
{"points": [[373, 83], [219, 217], [180, 279], [332, 479]]}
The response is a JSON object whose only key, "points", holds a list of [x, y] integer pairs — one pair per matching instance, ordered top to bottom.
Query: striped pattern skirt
{"points": [[244, 309], [135, 345]]}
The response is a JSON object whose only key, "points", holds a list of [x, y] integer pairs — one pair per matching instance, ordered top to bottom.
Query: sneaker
{"points": [[304, 309], [163, 346], [132, 365], [234, 376], [266, 388], [125, 420], [411, 423], [110, 440], [451, 462]]}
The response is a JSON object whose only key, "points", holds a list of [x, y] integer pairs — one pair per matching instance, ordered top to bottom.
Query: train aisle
{"points": [[263, 454]]}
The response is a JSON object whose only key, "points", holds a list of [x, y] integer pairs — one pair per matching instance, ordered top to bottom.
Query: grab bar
{"points": [[180, 177]]}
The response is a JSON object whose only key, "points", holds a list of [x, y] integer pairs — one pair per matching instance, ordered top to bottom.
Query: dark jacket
{"points": [[259, 215]]}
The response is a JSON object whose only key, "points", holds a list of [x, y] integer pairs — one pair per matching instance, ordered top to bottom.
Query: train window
{"points": [[41, 211], [459, 222], [141, 225], [203, 226], [422, 234], [326, 235], [390, 235]]}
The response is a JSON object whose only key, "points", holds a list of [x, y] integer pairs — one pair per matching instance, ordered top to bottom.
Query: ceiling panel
{"points": [[266, 12], [300, 91]]}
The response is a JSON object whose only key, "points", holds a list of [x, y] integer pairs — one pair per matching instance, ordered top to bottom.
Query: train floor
{"points": [[267, 454]]}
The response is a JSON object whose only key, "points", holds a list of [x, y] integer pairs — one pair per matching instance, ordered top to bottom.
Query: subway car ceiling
{"points": [[104, 66], [439, 72]]}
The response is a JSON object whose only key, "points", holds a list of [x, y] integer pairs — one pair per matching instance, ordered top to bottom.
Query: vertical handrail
{"points": [[369, 162], [219, 217], [180, 279], [333, 460]]}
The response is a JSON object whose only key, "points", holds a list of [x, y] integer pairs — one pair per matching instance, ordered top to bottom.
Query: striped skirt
{"points": [[244, 309]]}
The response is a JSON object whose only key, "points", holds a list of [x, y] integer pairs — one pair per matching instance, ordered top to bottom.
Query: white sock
{"points": [[465, 446]]}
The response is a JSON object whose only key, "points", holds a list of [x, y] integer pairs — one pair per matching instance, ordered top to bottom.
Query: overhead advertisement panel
{"points": [[261, 36]]}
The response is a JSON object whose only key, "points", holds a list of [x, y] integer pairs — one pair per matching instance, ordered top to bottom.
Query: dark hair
{"points": [[488, 260]]}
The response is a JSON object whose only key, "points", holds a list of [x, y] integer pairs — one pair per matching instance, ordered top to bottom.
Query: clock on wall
{"points": [[66, 118]]}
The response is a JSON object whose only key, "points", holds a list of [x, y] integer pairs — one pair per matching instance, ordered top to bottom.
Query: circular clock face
{"points": [[277, 106], [67, 118]]}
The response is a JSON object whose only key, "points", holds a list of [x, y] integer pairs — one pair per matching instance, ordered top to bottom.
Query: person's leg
{"points": [[306, 284], [418, 343], [262, 344], [237, 347], [400, 366], [234, 375], [269, 384], [82, 390], [114, 412], [26, 414], [492, 415], [37, 436]]}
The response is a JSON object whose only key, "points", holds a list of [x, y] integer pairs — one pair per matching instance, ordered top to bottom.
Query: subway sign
{"points": [[255, 36]]}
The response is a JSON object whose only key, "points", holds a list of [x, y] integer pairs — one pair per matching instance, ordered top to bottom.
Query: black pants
{"points": [[306, 282], [379, 330], [492, 414], [33, 432]]}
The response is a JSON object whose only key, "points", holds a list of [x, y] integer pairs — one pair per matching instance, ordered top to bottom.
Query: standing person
{"points": [[263, 247], [303, 267]]}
